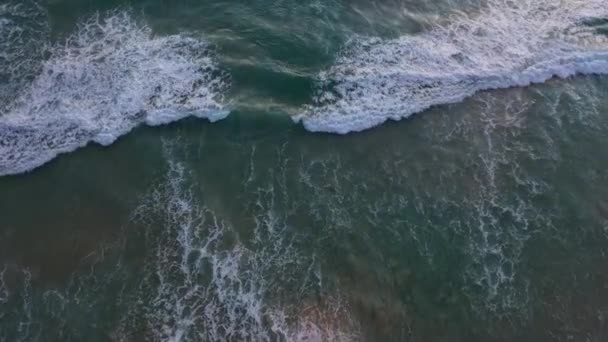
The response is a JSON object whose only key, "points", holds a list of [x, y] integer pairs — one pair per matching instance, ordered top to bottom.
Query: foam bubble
{"points": [[507, 44], [111, 75]]}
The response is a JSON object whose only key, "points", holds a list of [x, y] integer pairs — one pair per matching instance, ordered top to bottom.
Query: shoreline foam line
{"points": [[506, 44], [107, 78]]}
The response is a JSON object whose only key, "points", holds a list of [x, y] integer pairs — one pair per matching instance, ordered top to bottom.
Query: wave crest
{"points": [[507, 44], [111, 75]]}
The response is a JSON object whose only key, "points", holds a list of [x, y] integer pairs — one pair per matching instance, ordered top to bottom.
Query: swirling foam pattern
{"points": [[24, 30], [505, 44], [108, 77]]}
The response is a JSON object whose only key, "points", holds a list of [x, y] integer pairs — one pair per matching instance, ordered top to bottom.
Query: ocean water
{"points": [[323, 170]]}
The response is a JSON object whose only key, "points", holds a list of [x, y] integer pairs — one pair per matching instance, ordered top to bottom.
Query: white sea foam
{"points": [[24, 31], [506, 44], [108, 77], [199, 286], [4, 294]]}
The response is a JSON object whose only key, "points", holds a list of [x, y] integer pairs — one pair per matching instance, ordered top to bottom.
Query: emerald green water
{"points": [[482, 220]]}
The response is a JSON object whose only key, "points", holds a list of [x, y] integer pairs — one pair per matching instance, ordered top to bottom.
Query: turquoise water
{"points": [[172, 172]]}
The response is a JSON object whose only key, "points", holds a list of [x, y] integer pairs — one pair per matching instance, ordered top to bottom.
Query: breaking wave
{"points": [[506, 44], [113, 74], [108, 77]]}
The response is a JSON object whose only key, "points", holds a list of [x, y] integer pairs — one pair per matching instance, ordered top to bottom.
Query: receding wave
{"points": [[505, 44], [108, 77], [205, 288]]}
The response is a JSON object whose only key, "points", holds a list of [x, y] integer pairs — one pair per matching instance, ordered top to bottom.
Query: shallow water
{"points": [[481, 218]]}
